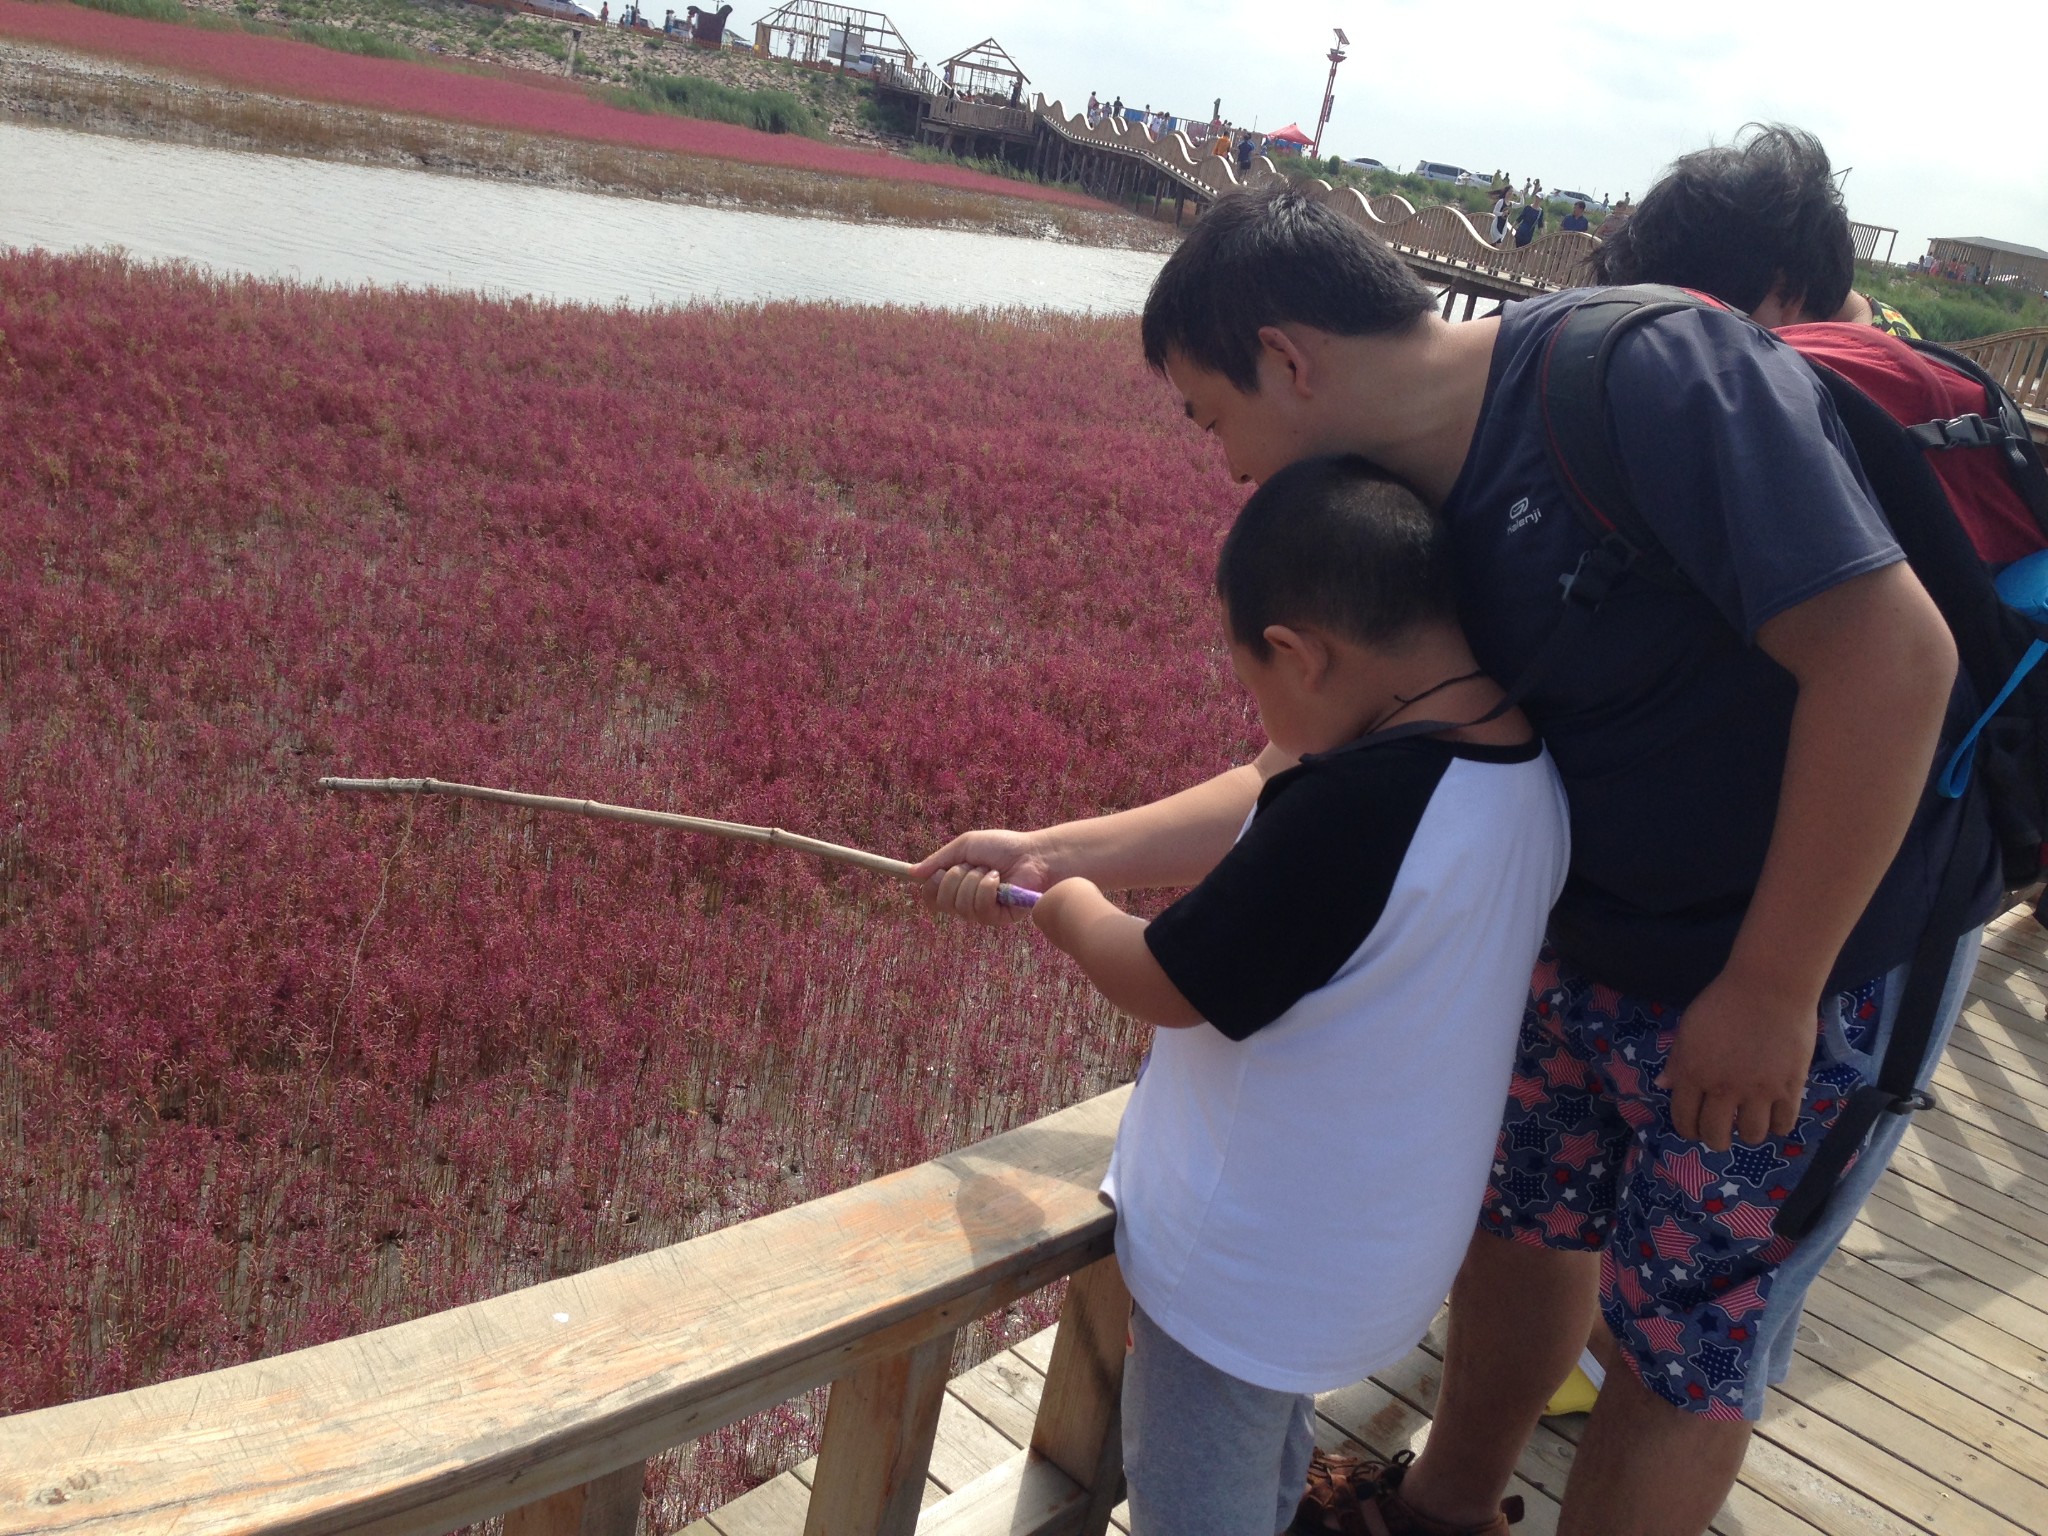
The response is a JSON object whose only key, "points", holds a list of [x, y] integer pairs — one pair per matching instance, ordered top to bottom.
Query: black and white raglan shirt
{"points": [[1296, 1180]]}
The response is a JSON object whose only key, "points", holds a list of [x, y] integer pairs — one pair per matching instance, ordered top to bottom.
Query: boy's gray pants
{"points": [[1206, 1454]]}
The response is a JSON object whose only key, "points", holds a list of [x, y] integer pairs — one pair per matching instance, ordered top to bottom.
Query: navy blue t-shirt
{"points": [[1668, 724]]}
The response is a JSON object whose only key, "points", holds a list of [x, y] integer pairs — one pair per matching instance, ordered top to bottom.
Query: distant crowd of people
{"points": [[1221, 136], [1523, 214]]}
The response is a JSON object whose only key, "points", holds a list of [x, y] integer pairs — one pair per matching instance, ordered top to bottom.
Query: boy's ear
{"points": [[1286, 354], [1304, 654]]}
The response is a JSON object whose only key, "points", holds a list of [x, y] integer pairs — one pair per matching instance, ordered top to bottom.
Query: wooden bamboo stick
{"points": [[1007, 895]]}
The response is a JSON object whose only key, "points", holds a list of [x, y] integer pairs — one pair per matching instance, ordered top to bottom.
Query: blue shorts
{"points": [[1702, 1296]]}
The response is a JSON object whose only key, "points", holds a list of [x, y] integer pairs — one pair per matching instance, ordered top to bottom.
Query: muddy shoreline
{"points": [[58, 88]]}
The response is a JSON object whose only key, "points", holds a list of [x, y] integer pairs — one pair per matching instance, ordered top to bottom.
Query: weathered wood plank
{"points": [[1981, 1143], [1963, 1163], [2025, 1220], [1976, 1245], [1926, 1272], [1842, 1313], [1940, 1315], [1004, 1391], [1926, 1397], [458, 1416], [879, 1424], [1079, 1428], [966, 1446], [1909, 1463], [1902, 1492], [1025, 1496], [606, 1506], [776, 1508]]}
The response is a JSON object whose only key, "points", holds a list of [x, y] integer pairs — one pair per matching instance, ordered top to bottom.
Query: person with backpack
{"points": [[1745, 726]]}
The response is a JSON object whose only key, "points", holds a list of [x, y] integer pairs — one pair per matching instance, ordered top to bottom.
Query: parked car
{"points": [[1367, 163], [1436, 170], [1593, 204]]}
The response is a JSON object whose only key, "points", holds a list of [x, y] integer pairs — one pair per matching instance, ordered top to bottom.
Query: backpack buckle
{"points": [[1971, 431], [1588, 584]]}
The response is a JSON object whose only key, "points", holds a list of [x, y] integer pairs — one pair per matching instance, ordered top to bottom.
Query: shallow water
{"points": [[279, 216]]}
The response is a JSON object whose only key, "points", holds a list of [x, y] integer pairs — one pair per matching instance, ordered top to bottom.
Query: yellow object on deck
{"points": [[1581, 1389]]}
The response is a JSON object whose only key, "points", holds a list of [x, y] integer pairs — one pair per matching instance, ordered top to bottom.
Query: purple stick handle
{"points": [[1016, 896]]}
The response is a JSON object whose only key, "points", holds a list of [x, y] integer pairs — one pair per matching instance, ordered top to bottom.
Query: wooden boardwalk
{"points": [[1920, 1398]]}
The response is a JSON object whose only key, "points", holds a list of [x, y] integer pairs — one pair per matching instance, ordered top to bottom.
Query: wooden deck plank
{"points": [[2015, 1079], [1982, 1143], [1960, 1160], [2018, 1217], [1982, 1249], [1962, 1291], [1940, 1316], [1847, 1322], [1004, 1392], [1937, 1429], [967, 1445], [1908, 1462], [776, 1508]]}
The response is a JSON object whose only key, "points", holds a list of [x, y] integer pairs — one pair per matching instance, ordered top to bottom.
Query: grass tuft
{"points": [[693, 96]]}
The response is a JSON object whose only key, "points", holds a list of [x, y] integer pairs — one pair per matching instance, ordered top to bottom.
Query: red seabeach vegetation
{"points": [[277, 1065]]}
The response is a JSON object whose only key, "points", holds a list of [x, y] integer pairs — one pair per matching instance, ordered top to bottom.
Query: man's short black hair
{"points": [[1739, 221], [1270, 258], [1338, 543]]}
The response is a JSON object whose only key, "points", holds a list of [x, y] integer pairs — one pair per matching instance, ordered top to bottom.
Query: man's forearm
{"points": [[1175, 841]]}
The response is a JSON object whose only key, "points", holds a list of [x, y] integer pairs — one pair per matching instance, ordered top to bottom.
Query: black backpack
{"points": [[2010, 778]]}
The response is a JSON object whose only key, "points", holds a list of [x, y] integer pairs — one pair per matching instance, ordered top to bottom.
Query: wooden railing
{"points": [[2017, 359], [544, 1404]]}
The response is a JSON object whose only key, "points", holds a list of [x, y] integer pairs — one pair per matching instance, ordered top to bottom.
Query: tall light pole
{"points": [[1329, 92]]}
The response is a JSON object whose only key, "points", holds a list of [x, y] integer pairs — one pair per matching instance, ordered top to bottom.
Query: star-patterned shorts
{"points": [[1587, 1160]]}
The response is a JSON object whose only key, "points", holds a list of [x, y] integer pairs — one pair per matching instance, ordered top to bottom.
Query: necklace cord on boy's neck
{"points": [[1405, 699], [1402, 702]]}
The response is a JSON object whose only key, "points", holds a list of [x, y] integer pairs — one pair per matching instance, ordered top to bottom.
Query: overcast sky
{"points": [[1939, 109]]}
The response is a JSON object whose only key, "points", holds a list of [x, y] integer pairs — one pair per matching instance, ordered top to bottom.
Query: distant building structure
{"points": [[1994, 259]]}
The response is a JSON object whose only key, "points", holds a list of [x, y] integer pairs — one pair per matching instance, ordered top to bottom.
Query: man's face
{"points": [[1260, 432]]}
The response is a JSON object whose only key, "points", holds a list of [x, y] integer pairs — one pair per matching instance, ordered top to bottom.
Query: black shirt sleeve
{"points": [[1302, 889]]}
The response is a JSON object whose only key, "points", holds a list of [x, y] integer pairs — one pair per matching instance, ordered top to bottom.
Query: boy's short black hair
{"points": [[1739, 221], [1269, 258], [1336, 542]]}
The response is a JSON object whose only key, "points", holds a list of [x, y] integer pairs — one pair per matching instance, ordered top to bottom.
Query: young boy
{"points": [[1338, 1002]]}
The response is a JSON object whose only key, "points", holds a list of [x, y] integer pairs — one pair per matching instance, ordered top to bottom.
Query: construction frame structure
{"points": [[824, 34], [985, 70]]}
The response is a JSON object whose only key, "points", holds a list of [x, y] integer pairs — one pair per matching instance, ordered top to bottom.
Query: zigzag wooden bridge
{"points": [[1123, 162], [1919, 1403]]}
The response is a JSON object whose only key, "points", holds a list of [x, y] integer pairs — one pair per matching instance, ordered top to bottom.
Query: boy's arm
{"points": [[1175, 841], [1109, 946]]}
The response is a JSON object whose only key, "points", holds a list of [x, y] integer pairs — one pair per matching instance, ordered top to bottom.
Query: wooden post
{"points": [[1450, 298], [1471, 303], [1080, 1416], [879, 1426], [604, 1506]]}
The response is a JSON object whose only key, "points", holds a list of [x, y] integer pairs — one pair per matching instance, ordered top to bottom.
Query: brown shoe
{"points": [[1355, 1497]]}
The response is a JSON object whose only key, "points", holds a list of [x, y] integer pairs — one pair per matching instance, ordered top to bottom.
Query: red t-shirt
{"points": [[1914, 388]]}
